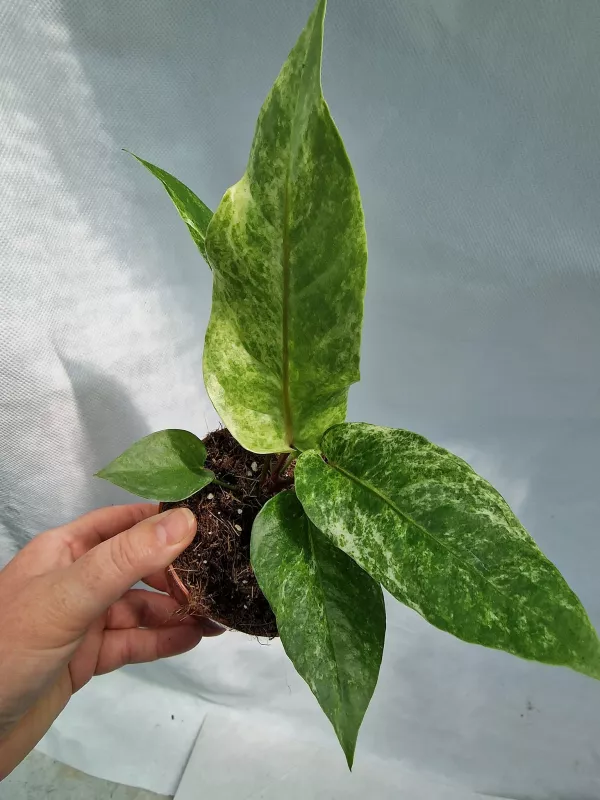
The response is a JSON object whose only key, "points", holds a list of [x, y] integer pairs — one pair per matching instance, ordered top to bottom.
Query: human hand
{"points": [[67, 613]]}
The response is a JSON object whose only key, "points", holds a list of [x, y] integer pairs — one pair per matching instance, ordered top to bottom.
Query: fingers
{"points": [[91, 529], [59, 547], [101, 576], [157, 581], [139, 608], [136, 645]]}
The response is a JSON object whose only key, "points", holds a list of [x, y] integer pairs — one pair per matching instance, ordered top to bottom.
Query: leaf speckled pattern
{"points": [[192, 210], [288, 249], [166, 465], [442, 540], [330, 613]]}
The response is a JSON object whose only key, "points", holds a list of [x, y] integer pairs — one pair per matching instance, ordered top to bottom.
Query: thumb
{"points": [[98, 579]]}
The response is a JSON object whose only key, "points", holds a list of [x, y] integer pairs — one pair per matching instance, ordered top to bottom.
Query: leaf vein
{"points": [[411, 521]]}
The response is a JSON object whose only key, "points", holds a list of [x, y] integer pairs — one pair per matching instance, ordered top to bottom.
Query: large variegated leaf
{"points": [[191, 209], [288, 250], [167, 465], [442, 540], [330, 614]]}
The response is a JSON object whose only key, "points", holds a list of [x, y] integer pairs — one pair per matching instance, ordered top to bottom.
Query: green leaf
{"points": [[191, 209], [288, 249], [168, 465], [442, 540], [330, 614]]}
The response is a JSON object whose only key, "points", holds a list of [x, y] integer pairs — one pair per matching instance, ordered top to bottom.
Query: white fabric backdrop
{"points": [[473, 127]]}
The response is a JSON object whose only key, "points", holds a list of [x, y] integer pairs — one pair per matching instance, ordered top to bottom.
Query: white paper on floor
{"points": [[121, 726], [235, 758]]}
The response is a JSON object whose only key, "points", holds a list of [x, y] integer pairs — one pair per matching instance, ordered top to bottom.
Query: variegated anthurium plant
{"points": [[372, 507]]}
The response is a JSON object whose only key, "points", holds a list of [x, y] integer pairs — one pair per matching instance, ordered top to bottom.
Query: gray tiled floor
{"points": [[40, 777]]}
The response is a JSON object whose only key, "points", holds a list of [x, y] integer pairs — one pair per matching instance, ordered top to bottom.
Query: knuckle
{"points": [[143, 510], [125, 554], [149, 615], [163, 646], [122, 651], [128, 652]]}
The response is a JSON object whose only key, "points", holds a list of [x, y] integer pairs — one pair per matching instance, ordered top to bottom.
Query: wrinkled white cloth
{"points": [[473, 127]]}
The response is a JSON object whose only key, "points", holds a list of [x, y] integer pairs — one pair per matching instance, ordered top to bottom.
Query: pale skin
{"points": [[68, 612]]}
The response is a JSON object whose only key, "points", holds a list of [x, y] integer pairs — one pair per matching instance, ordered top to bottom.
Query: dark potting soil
{"points": [[215, 569]]}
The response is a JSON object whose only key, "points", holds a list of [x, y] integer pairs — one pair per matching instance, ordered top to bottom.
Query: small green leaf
{"points": [[191, 209], [288, 249], [168, 465], [442, 540], [330, 614]]}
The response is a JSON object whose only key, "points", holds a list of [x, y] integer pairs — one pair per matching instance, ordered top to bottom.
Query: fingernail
{"points": [[174, 525], [210, 627]]}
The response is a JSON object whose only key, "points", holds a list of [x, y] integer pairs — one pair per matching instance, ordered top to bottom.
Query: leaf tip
{"points": [[319, 12], [137, 158], [347, 740], [349, 748]]}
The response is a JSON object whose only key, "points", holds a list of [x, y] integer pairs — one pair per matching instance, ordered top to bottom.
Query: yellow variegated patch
{"points": [[288, 250], [442, 540]]}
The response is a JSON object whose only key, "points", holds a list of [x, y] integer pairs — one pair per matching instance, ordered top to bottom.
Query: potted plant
{"points": [[303, 517]]}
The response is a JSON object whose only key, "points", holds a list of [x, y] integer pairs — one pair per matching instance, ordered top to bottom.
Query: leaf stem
{"points": [[292, 456], [278, 465], [265, 470], [224, 484]]}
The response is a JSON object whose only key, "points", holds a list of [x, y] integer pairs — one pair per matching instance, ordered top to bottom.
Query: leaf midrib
{"points": [[286, 255], [287, 403], [168, 470], [383, 497]]}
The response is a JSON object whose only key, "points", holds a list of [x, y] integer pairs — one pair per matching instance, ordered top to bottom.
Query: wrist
{"points": [[23, 736]]}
